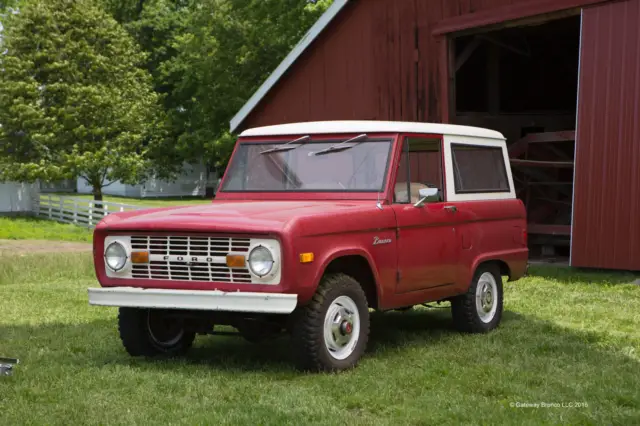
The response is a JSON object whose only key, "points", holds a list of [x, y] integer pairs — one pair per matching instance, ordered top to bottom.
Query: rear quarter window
{"points": [[478, 169]]}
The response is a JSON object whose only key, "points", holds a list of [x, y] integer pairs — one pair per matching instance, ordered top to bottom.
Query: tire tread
{"points": [[463, 309], [308, 332], [135, 338]]}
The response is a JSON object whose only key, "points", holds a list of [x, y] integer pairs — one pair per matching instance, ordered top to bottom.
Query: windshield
{"points": [[305, 165]]}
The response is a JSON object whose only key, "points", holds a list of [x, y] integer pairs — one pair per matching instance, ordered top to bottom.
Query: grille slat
{"points": [[171, 269]]}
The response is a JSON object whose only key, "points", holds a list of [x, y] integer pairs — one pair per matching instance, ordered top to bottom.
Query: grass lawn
{"points": [[147, 202], [29, 228], [566, 338]]}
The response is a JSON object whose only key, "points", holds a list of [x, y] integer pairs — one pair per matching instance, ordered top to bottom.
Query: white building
{"points": [[191, 182], [67, 185], [17, 198]]}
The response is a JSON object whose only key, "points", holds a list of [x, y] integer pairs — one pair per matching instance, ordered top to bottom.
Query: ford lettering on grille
{"points": [[187, 258], [191, 259]]}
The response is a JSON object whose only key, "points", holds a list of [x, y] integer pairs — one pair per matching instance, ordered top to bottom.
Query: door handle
{"points": [[452, 209]]}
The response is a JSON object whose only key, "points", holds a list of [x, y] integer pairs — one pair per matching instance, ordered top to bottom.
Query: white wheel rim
{"points": [[487, 297], [342, 327]]}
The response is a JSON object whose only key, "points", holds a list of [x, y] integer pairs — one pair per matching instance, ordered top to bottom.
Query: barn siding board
{"points": [[486, 14], [362, 66], [606, 220]]}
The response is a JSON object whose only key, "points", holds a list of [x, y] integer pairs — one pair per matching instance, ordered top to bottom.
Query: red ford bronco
{"points": [[314, 225]]}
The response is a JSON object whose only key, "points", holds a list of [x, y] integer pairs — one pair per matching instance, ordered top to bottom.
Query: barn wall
{"points": [[379, 60], [366, 66], [361, 68], [606, 222]]}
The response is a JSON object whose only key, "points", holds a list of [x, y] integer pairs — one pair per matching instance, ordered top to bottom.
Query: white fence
{"points": [[78, 211]]}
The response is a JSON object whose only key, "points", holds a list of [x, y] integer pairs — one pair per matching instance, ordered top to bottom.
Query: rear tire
{"points": [[480, 309], [151, 332], [331, 333]]}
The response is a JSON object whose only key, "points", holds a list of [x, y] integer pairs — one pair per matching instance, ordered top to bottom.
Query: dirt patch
{"points": [[41, 246]]}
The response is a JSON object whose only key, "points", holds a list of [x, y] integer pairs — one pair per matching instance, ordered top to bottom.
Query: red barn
{"points": [[559, 78]]}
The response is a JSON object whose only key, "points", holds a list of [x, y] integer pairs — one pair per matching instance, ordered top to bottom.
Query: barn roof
{"points": [[291, 58], [342, 127]]}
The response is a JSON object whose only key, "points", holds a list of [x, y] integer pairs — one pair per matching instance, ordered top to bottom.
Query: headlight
{"points": [[115, 256], [260, 261]]}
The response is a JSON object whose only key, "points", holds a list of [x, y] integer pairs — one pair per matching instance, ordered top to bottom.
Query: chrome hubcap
{"points": [[487, 297], [341, 327]]}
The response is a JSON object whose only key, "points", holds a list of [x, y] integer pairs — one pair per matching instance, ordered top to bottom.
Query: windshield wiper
{"points": [[348, 144], [287, 146]]}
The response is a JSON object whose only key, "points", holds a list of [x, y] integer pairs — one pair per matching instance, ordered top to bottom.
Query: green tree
{"points": [[8, 5], [124, 11], [154, 24], [156, 28], [226, 50], [208, 56], [75, 99]]}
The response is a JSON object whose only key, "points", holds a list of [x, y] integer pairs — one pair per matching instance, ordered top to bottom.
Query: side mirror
{"points": [[425, 194]]}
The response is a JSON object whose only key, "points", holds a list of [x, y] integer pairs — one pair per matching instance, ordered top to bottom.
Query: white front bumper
{"points": [[129, 297]]}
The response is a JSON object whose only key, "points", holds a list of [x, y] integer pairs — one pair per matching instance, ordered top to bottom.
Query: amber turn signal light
{"points": [[140, 257], [306, 257], [235, 261]]}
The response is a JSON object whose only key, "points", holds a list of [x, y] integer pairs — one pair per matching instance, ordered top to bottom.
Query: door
{"points": [[606, 198], [427, 243]]}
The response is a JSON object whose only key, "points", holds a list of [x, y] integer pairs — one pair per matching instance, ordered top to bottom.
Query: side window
{"points": [[420, 167], [478, 169]]}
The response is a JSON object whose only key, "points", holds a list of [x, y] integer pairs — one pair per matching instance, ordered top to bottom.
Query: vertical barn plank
{"points": [[606, 207]]}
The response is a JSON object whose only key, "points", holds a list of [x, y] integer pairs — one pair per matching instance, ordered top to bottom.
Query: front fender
{"points": [[348, 252], [310, 277]]}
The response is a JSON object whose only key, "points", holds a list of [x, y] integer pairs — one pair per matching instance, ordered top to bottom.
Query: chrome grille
{"points": [[215, 248]]}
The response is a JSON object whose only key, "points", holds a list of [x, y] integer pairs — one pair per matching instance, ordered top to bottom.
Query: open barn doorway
{"points": [[522, 80]]}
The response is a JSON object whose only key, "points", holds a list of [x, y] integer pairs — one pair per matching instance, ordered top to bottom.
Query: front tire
{"points": [[480, 309], [152, 332], [331, 333]]}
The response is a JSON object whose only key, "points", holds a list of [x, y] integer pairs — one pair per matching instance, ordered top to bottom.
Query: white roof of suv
{"points": [[329, 127]]}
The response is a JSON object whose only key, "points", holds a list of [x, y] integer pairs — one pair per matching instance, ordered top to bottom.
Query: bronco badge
{"points": [[377, 241]]}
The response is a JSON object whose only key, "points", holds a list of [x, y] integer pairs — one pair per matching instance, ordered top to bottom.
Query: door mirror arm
{"points": [[425, 194]]}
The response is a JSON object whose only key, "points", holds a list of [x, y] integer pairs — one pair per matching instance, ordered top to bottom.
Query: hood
{"points": [[231, 216]]}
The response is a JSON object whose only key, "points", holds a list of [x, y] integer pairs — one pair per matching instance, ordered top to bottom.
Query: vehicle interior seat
{"points": [[415, 187]]}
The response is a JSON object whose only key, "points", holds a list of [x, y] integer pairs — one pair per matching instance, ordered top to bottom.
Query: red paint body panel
{"points": [[606, 220], [326, 228], [491, 230], [428, 249], [435, 250]]}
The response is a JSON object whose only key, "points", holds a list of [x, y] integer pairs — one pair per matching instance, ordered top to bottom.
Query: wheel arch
{"points": [[359, 266], [503, 266]]}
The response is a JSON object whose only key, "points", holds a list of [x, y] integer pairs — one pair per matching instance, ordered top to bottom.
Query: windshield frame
{"points": [[347, 194]]}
